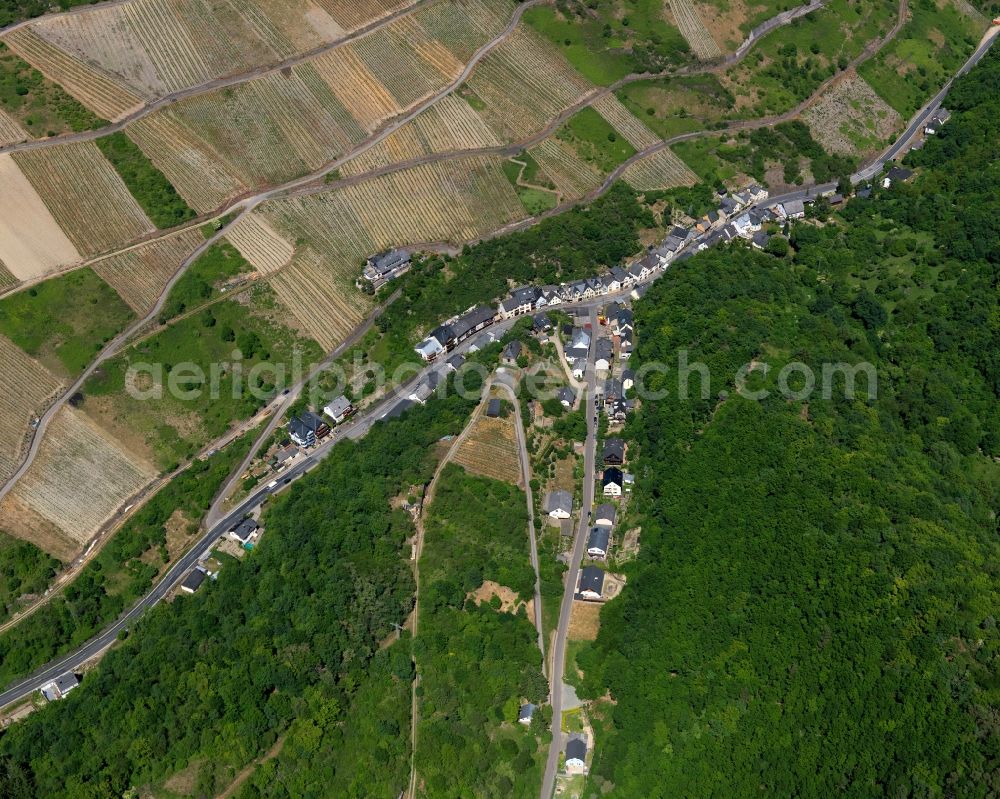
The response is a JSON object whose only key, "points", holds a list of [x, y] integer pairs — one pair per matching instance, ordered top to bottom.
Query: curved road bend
{"points": [[247, 205], [569, 589]]}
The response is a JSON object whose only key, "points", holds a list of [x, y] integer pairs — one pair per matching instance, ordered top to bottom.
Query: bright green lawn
{"points": [[595, 140]]}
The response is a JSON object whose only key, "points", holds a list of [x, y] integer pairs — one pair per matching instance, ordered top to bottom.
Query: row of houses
{"points": [[730, 207], [307, 429]]}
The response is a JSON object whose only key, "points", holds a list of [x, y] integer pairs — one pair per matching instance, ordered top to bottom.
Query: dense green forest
{"points": [[150, 187], [24, 570], [123, 571], [813, 612], [289, 633], [477, 662]]}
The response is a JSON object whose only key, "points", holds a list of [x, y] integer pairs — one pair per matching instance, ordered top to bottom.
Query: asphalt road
{"points": [[569, 589]]}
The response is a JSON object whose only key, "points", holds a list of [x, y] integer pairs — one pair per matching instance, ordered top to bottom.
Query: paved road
{"points": [[566, 608]]}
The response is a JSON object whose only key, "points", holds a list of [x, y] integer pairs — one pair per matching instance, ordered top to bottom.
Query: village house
{"points": [[937, 120], [897, 174], [794, 209], [759, 240], [386, 265], [521, 301], [540, 322], [625, 345], [511, 353], [604, 354], [454, 363], [628, 380], [613, 390], [566, 396], [339, 409], [618, 410], [307, 429], [614, 452], [613, 482], [559, 504], [605, 515], [244, 533], [599, 542], [193, 581], [591, 584], [59, 687], [526, 713], [576, 756]]}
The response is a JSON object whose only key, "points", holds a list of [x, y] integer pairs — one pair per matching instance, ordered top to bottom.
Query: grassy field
{"points": [[609, 39], [931, 46], [678, 105], [41, 107], [595, 140], [158, 198], [536, 201], [203, 279], [64, 321], [172, 425]]}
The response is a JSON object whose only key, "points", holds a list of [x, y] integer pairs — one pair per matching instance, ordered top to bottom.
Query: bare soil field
{"points": [[851, 119], [661, 170], [85, 195], [31, 242], [139, 275], [25, 386], [490, 450], [80, 477], [23, 521], [584, 621]]}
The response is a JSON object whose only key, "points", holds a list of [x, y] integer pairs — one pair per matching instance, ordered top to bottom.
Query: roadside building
{"points": [[386, 265], [339, 409], [614, 452], [613, 482], [559, 504], [605, 515], [245, 533], [599, 541], [193, 581], [591, 584], [60, 686], [526, 714], [576, 756]]}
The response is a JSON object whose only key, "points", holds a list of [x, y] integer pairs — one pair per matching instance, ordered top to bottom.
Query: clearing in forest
{"points": [[851, 119], [85, 195], [31, 242], [490, 449], [80, 477]]}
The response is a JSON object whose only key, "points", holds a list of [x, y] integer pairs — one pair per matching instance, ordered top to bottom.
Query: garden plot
{"points": [[693, 29], [524, 83], [96, 90], [851, 119], [625, 122], [446, 126], [10, 131], [188, 162], [661, 170], [572, 176], [85, 195], [31, 242], [260, 244], [140, 274], [320, 294], [25, 386], [490, 450], [80, 477]]}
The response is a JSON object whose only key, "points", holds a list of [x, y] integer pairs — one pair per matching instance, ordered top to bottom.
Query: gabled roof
{"points": [[899, 173], [794, 207], [761, 238], [541, 321], [604, 349], [512, 350], [456, 361], [567, 394], [338, 406], [493, 408], [312, 421], [298, 429], [614, 448], [613, 475], [559, 500], [605, 511], [245, 529], [599, 538], [592, 579], [194, 580], [66, 682], [526, 712], [576, 749]]}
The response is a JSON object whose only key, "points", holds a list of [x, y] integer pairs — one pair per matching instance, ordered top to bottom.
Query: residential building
{"points": [[937, 120], [897, 174], [794, 209], [759, 240], [386, 265], [521, 301], [541, 321], [625, 345], [429, 349], [511, 352], [604, 354], [455, 362], [628, 380], [613, 390], [567, 396], [493, 408], [339, 409], [618, 411], [307, 428], [614, 452], [285, 454], [613, 482], [559, 504], [605, 515], [246, 532], [599, 541], [193, 581], [591, 584], [60, 686], [526, 714], [576, 756]]}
